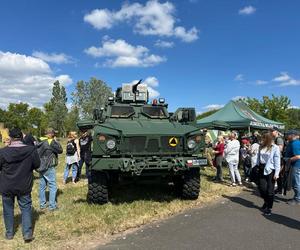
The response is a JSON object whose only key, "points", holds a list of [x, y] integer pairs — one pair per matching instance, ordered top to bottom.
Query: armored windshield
{"points": [[121, 111], [155, 112]]}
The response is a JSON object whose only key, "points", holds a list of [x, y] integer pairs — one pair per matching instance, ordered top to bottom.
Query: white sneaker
{"points": [[233, 184]]}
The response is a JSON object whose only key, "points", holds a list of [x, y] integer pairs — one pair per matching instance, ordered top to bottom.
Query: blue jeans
{"points": [[74, 167], [48, 179], [296, 182], [25, 205]]}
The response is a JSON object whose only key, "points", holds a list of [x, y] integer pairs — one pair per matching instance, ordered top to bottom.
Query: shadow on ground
{"points": [[146, 191], [276, 218]]}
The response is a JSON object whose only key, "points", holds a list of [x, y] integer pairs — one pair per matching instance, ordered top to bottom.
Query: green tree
{"points": [[90, 95], [275, 107], [56, 110], [207, 113], [2, 115], [17, 115], [35, 118], [71, 119], [293, 121]]}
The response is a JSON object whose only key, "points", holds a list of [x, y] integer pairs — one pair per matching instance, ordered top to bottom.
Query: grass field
{"points": [[78, 225]]}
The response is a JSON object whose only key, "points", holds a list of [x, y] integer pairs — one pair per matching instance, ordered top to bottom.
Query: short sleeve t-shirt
{"points": [[279, 141], [85, 144], [293, 149], [265, 154]]}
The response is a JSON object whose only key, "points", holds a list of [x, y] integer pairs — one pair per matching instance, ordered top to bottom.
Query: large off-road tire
{"points": [[178, 184], [191, 184], [98, 189]]}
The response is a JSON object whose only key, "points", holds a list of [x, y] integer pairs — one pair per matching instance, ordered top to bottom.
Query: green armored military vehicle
{"points": [[135, 139]]}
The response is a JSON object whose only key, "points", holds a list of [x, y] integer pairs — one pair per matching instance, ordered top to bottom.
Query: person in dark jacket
{"points": [[28, 139], [85, 143], [48, 150], [17, 162]]}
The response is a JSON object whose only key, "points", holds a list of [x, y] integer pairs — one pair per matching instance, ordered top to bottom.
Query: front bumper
{"points": [[137, 164]]}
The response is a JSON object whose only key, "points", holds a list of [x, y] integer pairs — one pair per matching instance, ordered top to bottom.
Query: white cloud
{"points": [[248, 10], [153, 18], [100, 19], [186, 36], [164, 44], [119, 53], [60, 58], [239, 77], [283, 77], [26, 79], [64, 79], [284, 80], [261, 82], [291, 82], [152, 83], [237, 98], [213, 106], [294, 107]]}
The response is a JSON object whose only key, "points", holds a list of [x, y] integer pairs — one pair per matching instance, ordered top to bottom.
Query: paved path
{"points": [[232, 223]]}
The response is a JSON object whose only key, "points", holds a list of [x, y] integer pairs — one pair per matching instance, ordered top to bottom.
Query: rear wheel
{"points": [[191, 184], [98, 188]]}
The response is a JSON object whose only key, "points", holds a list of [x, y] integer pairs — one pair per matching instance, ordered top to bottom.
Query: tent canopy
{"points": [[237, 115]]}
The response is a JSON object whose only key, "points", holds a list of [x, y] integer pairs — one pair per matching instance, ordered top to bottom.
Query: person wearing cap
{"points": [[48, 150], [231, 151], [292, 155], [17, 162]]}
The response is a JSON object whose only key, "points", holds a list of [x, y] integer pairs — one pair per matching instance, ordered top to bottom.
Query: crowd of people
{"points": [[22, 155], [270, 161]]}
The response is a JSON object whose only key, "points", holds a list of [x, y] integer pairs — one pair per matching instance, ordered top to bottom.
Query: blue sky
{"points": [[192, 52]]}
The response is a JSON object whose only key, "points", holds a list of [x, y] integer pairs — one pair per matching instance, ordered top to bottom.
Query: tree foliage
{"points": [[90, 95], [275, 107], [57, 109], [207, 113], [17, 115], [72, 119], [293, 121]]}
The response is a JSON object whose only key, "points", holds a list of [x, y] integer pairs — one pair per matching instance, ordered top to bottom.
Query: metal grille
{"points": [[135, 144], [153, 145]]}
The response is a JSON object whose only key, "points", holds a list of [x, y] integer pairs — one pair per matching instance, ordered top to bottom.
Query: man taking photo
{"points": [[48, 150], [17, 162]]}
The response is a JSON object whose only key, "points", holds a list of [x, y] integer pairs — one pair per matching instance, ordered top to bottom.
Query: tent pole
{"points": [[249, 130]]}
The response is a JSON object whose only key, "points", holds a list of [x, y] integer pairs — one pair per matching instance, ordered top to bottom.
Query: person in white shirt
{"points": [[254, 150], [232, 151], [269, 167]]}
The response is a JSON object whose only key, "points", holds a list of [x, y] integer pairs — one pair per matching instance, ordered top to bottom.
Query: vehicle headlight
{"points": [[110, 144], [191, 144]]}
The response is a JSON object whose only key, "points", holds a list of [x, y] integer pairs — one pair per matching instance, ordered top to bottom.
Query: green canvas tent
{"points": [[237, 115]]}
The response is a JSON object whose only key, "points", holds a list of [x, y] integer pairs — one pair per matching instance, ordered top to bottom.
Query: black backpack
{"points": [[71, 148]]}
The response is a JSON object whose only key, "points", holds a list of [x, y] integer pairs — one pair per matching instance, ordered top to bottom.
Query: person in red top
{"points": [[219, 155]]}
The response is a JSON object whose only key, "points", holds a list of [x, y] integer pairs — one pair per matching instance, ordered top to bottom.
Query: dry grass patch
{"points": [[78, 225]]}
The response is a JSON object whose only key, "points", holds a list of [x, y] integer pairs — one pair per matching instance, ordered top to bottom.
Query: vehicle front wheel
{"points": [[191, 184], [98, 189]]}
